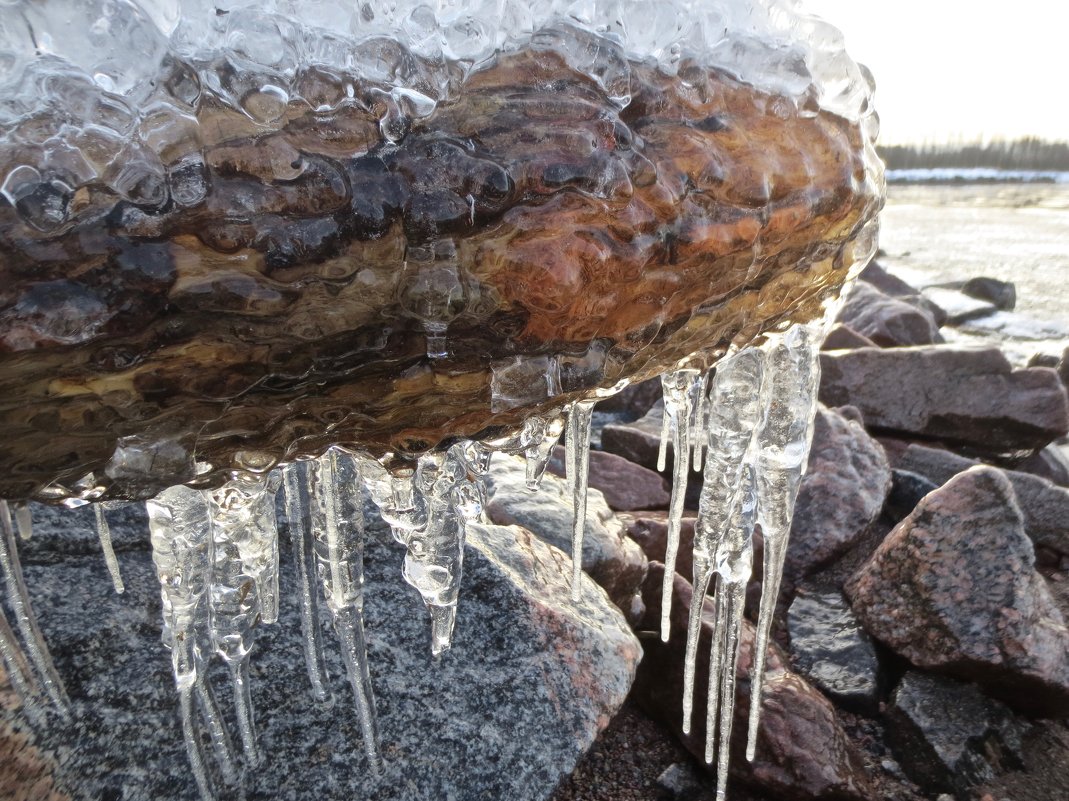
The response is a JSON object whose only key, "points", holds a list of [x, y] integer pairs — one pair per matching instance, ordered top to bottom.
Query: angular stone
{"points": [[894, 286], [1000, 294], [886, 320], [843, 337], [971, 397], [639, 441], [1051, 463], [624, 484], [907, 489], [841, 494], [1044, 505], [649, 528], [609, 557], [953, 588], [832, 650], [530, 681], [949, 736], [803, 753]]}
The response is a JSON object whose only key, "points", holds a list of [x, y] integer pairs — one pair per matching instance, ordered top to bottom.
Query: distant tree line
{"points": [[1028, 153]]}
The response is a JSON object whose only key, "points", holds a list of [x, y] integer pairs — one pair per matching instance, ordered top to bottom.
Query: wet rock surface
{"points": [[971, 397], [842, 492], [610, 558], [953, 588], [830, 648], [531, 680], [949, 736], [802, 753]]}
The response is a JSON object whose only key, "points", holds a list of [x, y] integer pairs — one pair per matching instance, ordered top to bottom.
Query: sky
{"points": [[950, 70]]}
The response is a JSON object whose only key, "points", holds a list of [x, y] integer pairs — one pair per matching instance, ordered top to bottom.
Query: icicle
{"points": [[789, 391], [679, 402], [734, 412], [697, 428], [666, 430], [544, 437], [577, 446], [337, 516], [23, 520], [244, 532], [180, 533], [104, 535], [734, 565], [308, 599], [25, 620], [19, 672]]}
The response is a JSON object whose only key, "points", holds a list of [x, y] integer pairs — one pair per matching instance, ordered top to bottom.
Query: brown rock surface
{"points": [[535, 225], [967, 396], [953, 588], [803, 754]]}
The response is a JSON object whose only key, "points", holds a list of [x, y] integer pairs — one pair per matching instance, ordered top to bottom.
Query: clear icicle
{"points": [[679, 388], [789, 391], [733, 415], [697, 429], [666, 432], [544, 436], [577, 455], [297, 510], [337, 517], [23, 520], [180, 533], [104, 535], [244, 554], [734, 565], [25, 620], [18, 670]]}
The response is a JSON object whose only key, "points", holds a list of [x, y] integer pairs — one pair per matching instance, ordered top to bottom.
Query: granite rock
{"points": [[894, 286], [959, 307], [888, 321], [970, 397], [1051, 463], [625, 485], [907, 490], [842, 492], [1044, 505], [649, 528], [609, 557], [953, 589], [832, 650], [530, 681], [949, 736], [803, 754]]}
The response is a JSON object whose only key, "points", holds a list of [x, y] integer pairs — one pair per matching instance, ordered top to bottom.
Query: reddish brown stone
{"points": [[624, 484], [953, 588]]}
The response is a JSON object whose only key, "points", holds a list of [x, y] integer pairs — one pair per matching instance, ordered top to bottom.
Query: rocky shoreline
{"points": [[922, 637], [920, 641]]}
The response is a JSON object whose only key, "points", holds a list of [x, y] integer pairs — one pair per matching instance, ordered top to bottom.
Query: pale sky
{"points": [[949, 69]]}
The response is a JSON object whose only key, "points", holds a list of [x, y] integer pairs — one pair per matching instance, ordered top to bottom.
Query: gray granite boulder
{"points": [[1000, 294], [843, 337], [970, 397], [842, 492], [1045, 506], [609, 557], [953, 588], [832, 650], [530, 681], [948, 736]]}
